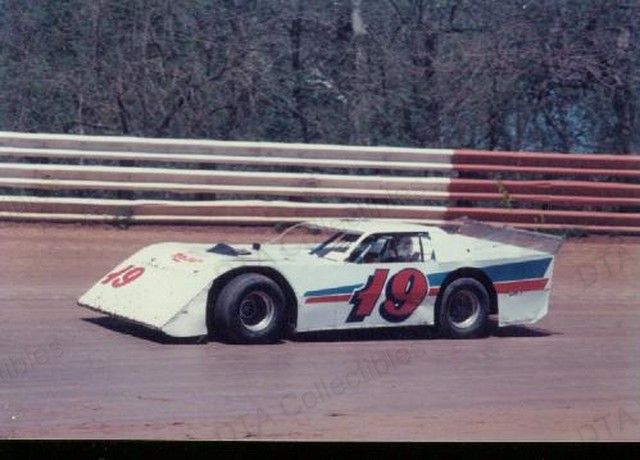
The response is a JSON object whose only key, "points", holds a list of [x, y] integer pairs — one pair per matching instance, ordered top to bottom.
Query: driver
{"points": [[404, 249], [400, 250]]}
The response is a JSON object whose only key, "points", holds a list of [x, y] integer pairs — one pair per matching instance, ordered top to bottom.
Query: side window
{"points": [[388, 248], [403, 248]]}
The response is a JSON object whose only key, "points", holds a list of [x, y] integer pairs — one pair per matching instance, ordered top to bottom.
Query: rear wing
{"points": [[504, 234]]}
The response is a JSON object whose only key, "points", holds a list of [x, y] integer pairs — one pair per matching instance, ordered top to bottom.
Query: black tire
{"points": [[250, 309], [464, 309]]}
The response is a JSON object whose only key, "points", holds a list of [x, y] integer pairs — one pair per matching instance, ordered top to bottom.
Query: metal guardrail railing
{"points": [[100, 178]]}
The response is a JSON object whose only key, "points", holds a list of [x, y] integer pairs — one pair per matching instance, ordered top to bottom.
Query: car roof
{"points": [[370, 225]]}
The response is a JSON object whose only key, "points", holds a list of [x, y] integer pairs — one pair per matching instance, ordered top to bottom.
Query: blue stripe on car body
{"points": [[513, 271], [331, 291]]}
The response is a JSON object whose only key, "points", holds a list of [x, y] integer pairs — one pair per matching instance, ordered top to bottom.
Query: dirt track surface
{"points": [[68, 372]]}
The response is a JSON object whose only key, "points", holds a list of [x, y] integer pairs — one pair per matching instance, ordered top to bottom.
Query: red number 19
{"points": [[125, 276], [404, 293]]}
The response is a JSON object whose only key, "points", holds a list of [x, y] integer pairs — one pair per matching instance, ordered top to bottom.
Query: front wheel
{"points": [[250, 309], [464, 309]]}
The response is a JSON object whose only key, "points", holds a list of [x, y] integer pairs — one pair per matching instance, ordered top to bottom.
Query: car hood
{"points": [[159, 281]]}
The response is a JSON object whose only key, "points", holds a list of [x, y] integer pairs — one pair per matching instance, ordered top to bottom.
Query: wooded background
{"points": [[510, 75]]}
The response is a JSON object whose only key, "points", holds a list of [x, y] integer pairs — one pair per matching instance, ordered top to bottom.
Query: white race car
{"points": [[336, 274]]}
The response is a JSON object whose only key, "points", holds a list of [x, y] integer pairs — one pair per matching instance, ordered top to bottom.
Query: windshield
{"points": [[321, 241], [337, 246]]}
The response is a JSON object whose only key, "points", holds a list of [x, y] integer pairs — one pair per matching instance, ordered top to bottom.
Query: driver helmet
{"points": [[404, 248]]}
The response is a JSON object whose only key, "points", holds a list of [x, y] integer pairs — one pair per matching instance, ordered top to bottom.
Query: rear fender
{"points": [[526, 305]]}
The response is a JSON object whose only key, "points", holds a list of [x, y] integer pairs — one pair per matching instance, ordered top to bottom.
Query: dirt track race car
{"points": [[334, 274]]}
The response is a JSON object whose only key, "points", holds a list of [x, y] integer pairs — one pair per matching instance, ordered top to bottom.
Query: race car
{"points": [[331, 274]]}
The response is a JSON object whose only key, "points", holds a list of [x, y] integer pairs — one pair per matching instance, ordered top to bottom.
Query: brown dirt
{"points": [[66, 372]]}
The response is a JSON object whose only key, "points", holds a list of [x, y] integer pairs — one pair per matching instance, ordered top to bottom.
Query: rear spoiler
{"points": [[504, 234]]}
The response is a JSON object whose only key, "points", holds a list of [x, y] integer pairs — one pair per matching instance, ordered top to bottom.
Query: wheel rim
{"points": [[464, 309], [256, 311]]}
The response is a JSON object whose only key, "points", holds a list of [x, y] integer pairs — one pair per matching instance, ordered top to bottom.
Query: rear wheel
{"points": [[250, 309], [464, 309]]}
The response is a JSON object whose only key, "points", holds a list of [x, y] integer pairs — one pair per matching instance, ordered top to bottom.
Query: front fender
{"points": [[156, 289], [191, 321]]}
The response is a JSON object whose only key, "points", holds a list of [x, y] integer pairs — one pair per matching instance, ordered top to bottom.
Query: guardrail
{"points": [[98, 178]]}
